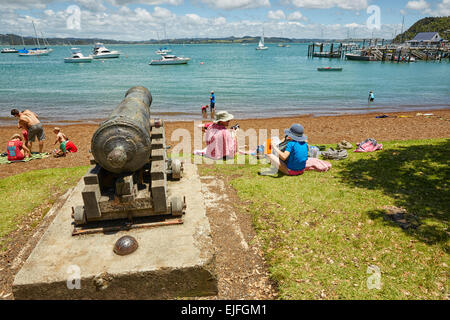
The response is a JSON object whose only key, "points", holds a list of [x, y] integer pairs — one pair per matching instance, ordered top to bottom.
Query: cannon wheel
{"points": [[176, 169], [176, 206], [79, 215]]}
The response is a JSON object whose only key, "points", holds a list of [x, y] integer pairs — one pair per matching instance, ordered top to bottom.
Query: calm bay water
{"points": [[247, 83]]}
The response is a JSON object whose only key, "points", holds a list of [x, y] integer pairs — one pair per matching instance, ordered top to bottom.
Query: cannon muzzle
{"points": [[123, 143]]}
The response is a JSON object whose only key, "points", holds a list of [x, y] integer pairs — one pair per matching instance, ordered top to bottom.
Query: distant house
{"points": [[425, 39]]}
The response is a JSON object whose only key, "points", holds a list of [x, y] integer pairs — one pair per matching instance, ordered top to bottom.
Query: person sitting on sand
{"points": [[30, 121], [221, 142], [65, 145], [16, 149], [292, 161]]}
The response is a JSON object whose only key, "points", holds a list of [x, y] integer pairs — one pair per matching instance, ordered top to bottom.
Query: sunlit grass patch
{"points": [[23, 193], [322, 232]]}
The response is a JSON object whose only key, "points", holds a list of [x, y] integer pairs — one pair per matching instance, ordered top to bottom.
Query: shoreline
{"points": [[10, 121], [319, 130]]}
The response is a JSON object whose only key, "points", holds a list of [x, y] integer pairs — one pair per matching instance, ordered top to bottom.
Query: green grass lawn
{"points": [[23, 193], [324, 233]]}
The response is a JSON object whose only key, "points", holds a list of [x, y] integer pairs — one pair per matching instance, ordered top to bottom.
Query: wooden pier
{"points": [[379, 50]]}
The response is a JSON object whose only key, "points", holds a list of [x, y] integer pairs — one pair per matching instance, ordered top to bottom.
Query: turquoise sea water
{"points": [[248, 83]]}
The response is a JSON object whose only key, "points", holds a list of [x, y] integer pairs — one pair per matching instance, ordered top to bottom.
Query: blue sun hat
{"points": [[296, 132]]}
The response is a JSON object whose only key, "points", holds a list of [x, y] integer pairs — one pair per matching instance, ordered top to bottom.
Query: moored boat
{"points": [[261, 45], [9, 50], [163, 51], [33, 52], [101, 52], [326, 54], [77, 57], [358, 57], [170, 60], [329, 69]]}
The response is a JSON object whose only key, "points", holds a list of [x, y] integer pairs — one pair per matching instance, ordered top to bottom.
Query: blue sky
{"points": [[145, 19]]}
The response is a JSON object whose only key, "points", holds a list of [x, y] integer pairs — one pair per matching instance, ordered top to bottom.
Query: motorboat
{"points": [[9, 50], [163, 51], [101, 52], [326, 54], [77, 57], [358, 57], [170, 59], [329, 69]]}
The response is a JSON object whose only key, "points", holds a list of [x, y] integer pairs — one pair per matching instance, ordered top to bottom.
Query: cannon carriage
{"points": [[130, 168]]}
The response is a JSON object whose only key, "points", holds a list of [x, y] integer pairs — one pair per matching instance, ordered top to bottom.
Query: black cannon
{"points": [[130, 167]]}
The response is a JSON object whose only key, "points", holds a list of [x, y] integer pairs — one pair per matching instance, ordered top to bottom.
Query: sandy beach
{"points": [[320, 130]]}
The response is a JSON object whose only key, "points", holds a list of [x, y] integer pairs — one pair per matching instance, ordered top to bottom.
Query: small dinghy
{"points": [[329, 69]]}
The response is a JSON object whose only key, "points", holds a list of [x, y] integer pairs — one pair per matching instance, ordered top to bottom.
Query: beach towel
{"points": [[368, 145], [34, 156], [314, 164]]}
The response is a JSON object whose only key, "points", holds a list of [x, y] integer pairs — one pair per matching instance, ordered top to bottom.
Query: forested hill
{"points": [[439, 24]]}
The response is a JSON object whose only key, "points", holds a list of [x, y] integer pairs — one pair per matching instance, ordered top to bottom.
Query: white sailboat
{"points": [[261, 45], [35, 51]]}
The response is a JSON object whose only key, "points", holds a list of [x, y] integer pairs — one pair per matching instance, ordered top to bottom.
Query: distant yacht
{"points": [[261, 45], [9, 50], [163, 51], [101, 52], [77, 57], [170, 59]]}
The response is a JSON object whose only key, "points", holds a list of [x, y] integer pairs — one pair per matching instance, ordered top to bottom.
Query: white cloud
{"points": [[149, 2], [23, 4], [237, 4], [326, 4], [92, 5], [417, 5], [440, 9], [443, 9], [49, 13], [162, 13], [276, 15], [296, 16], [195, 19], [143, 23], [354, 25]]}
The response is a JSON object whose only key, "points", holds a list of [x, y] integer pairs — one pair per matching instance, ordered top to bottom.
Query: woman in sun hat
{"points": [[221, 142], [293, 160]]}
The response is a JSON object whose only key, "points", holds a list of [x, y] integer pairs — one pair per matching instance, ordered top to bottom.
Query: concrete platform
{"points": [[171, 261]]}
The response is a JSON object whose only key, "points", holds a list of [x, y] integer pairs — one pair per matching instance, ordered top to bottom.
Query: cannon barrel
{"points": [[123, 143]]}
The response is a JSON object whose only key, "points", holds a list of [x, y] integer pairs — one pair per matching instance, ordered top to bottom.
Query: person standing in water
{"points": [[371, 96], [212, 104]]}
